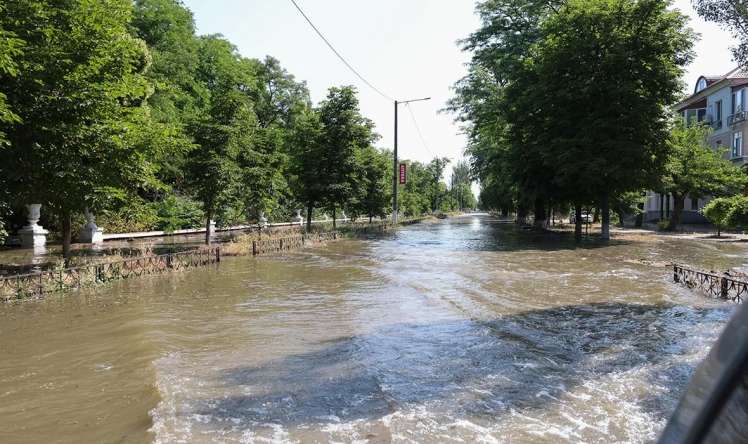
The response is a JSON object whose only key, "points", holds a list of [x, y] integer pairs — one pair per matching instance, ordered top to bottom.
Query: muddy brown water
{"points": [[466, 330]]}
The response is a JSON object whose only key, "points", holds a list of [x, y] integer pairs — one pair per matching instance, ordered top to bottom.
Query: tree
{"points": [[732, 15], [168, 29], [10, 48], [625, 58], [223, 130], [85, 132], [345, 132], [308, 162], [695, 169], [434, 189], [374, 196], [716, 211], [738, 214]]}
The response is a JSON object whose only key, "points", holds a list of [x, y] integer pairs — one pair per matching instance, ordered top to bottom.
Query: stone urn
{"points": [[297, 219], [262, 221], [91, 233], [33, 235]]}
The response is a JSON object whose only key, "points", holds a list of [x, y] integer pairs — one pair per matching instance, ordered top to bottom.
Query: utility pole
{"points": [[395, 165]]}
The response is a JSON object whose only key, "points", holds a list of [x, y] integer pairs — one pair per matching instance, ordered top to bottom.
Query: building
{"points": [[722, 102]]}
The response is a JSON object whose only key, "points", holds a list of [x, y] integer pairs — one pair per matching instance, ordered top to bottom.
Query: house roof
{"points": [[736, 77]]}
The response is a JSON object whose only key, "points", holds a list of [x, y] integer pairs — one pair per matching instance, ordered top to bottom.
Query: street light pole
{"points": [[396, 174]]}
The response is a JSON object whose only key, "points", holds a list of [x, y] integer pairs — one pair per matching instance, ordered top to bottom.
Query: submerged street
{"points": [[463, 330]]}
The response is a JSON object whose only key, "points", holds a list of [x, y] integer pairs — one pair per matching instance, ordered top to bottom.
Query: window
{"points": [[701, 85], [737, 101], [718, 114], [700, 115], [737, 144], [694, 204]]}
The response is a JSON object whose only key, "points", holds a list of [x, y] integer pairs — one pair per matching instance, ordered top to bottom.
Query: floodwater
{"points": [[465, 330]]}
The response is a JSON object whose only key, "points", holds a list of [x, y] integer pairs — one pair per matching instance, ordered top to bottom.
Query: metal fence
{"points": [[278, 245], [50, 281], [716, 286]]}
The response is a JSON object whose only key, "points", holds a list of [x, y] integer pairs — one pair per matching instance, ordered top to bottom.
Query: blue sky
{"points": [[407, 48]]}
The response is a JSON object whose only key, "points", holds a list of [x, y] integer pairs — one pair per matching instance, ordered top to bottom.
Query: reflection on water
{"points": [[464, 330]]}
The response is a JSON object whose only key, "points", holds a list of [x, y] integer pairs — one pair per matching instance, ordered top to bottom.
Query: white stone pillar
{"points": [[91, 233], [33, 235]]}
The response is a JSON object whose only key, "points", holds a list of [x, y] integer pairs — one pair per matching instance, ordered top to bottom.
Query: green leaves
{"points": [[567, 100], [694, 168]]}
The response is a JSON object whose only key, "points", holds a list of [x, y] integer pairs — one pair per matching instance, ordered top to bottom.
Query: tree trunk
{"points": [[678, 204], [309, 210], [504, 212], [539, 213], [521, 214], [621, 215], [596, 216], [605, 216], [208, 217], [370, 217], [640, 217], [577, 222], [334, 223], [67, 236]]}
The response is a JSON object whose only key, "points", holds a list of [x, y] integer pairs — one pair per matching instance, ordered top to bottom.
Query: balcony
{"points": [[737, 118]]}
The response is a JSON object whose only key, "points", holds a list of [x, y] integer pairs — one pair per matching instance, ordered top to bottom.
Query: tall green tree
{"points": [[168, 29], [625, 59], [222, 131], [85, 132], [345, 133], [308, 162], [695, 169], [373, 188]]}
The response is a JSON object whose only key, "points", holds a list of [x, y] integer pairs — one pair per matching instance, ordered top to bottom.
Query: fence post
{"points": [[281, 244], [254, 248], [218, 254], [168, 261], [676, 279], [41, 283], [723, 284], [61, 286]]}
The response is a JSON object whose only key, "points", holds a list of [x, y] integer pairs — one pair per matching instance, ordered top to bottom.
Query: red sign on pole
{"points": [[403, 174]]}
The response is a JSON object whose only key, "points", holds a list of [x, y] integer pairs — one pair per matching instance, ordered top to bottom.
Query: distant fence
{"points": [[278, 245], [50, 281], [722, 287]]}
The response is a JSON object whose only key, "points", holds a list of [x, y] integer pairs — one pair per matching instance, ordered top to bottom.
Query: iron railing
{"points": [[278, 245], [50, 281], [716, 286]]}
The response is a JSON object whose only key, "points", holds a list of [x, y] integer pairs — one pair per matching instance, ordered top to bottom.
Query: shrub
{"points": [[717, 211], [177, 212], [134, 215], [737, 216]]}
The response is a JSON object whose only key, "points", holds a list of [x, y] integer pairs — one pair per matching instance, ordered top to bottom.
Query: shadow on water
{"points": [[494, 235], [473, 369]]}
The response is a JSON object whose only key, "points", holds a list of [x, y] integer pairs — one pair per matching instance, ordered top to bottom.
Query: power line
{"points": [[342, 59], [418, 130]]}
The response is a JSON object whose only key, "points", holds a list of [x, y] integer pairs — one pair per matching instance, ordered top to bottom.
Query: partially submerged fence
{"points": [[277, 245], [50, 281], [716, 286]]}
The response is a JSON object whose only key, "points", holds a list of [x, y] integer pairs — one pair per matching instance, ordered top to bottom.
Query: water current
{"points": [[464, 330]]}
